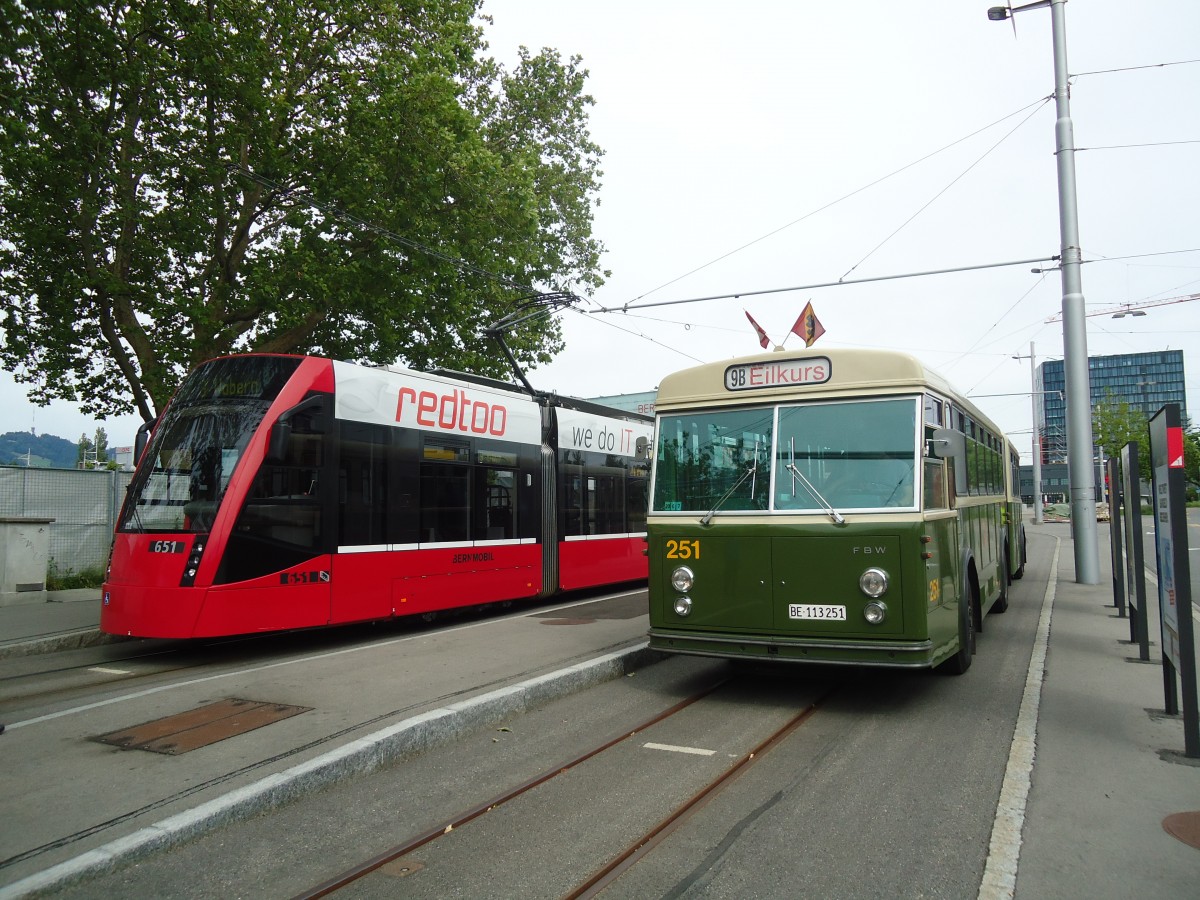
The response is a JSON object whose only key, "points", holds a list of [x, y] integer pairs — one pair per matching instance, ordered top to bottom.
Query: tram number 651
{"points": [[683, 549]]}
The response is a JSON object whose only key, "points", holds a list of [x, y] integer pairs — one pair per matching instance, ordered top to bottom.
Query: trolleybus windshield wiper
{"points": [[707, 517], [837, 517]]}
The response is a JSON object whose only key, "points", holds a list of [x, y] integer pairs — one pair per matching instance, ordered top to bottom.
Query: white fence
{"points": [[83, 503]]}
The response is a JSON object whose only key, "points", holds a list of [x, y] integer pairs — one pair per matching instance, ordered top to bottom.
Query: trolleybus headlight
{"points": [[682, 578], [873, 582], [683, 606], [875, 612]]}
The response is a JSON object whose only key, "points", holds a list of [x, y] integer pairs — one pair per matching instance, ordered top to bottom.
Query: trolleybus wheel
{"points": [[1001, 603], [961, 661]]}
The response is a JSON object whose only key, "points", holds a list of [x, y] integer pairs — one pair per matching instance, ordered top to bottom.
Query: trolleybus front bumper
{"points": [[897, 654]]}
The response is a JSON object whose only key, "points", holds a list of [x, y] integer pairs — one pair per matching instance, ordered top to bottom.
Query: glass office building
{"points": [[1143, 380]]}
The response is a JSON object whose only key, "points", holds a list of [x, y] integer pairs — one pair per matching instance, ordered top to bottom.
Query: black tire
{"points": [[1020, 573], [1001, 603], [961, 661]]}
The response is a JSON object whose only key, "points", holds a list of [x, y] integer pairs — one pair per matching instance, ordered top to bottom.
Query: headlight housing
{"points": [[682, 579], [873, 582], [683, 606], [875, 612]]}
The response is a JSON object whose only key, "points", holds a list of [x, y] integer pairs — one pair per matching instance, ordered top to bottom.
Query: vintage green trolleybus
{"points": [[840, 507]]}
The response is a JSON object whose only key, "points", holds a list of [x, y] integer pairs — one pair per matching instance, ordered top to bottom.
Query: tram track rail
{"points": [[235, 775], [594, 883]]}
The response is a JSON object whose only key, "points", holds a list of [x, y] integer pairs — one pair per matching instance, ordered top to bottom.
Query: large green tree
{"points": [[181, 179]]}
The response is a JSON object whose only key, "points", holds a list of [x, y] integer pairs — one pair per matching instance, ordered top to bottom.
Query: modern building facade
{"points": [[1143, 380]]}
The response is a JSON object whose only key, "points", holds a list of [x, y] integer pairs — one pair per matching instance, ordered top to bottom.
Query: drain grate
{"points": [[187, 731]]}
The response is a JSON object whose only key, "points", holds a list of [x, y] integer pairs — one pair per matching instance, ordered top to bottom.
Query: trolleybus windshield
{"points": [[859, 454], [188, 462]]}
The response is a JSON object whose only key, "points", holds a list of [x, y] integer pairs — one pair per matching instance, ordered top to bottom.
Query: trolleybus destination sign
{"points": [[778, 373]]}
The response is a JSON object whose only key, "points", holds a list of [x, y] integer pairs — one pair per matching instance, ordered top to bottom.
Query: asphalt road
{"points": [[888, 790]]}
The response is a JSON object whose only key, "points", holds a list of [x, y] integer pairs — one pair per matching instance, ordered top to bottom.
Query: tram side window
{"points": [[362, 483], [593, 488], [637, 495], [445, 502], [284, 504], [495, 504], [280, 524]]}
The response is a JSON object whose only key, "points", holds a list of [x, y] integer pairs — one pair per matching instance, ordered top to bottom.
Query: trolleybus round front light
{"points": [[682, 578], [873, 582], [683, 606], [875, 612]]}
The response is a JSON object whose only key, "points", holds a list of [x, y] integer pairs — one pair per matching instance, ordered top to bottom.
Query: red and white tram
{"points": [[281, 492]]}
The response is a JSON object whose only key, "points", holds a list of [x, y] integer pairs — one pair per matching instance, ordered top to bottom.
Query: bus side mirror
{"points": [[281, 434], [142, 439], [947, 443], [642, 448]]}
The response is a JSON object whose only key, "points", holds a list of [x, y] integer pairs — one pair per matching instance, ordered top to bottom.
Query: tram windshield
{"points": [[853, 454], [187, 465]]}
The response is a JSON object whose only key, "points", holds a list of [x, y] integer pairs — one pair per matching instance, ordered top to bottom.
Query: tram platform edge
{"points": [[50, 621], [1112, 802]]}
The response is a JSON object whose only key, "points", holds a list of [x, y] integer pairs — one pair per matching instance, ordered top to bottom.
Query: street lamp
{"points": [[1075, 358]]}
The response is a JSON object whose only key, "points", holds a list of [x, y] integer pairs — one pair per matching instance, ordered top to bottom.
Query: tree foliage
{"points": [[135, 244], [1115, 424]]}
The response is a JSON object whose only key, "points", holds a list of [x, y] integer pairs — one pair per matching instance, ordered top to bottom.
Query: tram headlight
{"points": [[682, 579], [873, 582], [683, 606], [875, 612]]}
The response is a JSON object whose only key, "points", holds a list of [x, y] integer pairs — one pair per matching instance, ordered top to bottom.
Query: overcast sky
{"points": [[775, 144]]}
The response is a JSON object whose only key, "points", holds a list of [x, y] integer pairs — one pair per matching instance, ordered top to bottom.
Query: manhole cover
{"points": [[200, 727], [1185, 826]]}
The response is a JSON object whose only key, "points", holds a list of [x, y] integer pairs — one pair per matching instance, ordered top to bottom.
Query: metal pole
{"points": [[1075, 357], [1037, 442]]}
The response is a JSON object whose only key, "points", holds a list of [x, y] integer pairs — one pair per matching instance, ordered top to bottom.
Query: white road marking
{"points": [[103, 671], [695, 751], [1004, 851]]}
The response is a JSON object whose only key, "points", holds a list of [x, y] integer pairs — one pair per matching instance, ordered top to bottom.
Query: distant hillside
{"points": [[44, 450]]}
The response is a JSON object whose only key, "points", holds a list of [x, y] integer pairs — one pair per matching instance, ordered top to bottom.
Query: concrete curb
{"points": [[66, 640], [412, 735]]}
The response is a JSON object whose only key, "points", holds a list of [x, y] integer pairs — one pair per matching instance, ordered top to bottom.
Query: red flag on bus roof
{"points": [[808, 326], [763, 340]]}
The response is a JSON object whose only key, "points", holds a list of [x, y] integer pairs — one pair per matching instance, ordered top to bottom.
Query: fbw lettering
{"points": [[609, 440]]}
